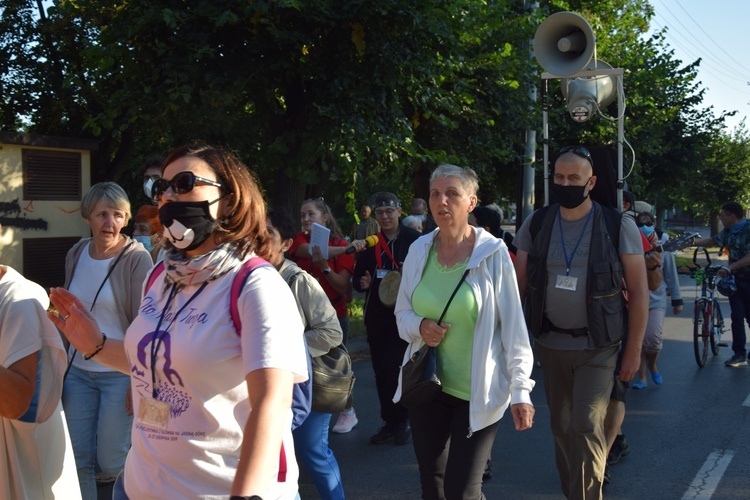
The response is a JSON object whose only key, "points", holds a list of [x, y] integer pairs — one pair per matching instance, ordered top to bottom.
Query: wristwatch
{"points": [[327, 271]]}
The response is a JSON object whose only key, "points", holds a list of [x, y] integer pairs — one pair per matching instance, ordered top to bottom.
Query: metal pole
{"points": [[620, 137], [545, 138], [529, 153]]}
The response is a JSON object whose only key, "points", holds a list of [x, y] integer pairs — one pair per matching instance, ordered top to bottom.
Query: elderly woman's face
{"points": [[201, 191], [450, 203], [106, 223]]}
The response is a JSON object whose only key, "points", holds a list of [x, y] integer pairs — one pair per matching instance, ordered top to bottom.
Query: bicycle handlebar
{"points": [[695, 256]]}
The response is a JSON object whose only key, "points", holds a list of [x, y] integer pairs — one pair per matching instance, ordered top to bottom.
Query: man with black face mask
{"points": [[570, 271]]}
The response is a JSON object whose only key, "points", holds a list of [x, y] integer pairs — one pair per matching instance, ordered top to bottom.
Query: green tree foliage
{"points": [[318, 97], [340, 99], [723, 175]]}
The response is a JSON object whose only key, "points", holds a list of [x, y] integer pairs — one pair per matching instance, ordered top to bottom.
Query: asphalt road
{"points": [[688, 437]]}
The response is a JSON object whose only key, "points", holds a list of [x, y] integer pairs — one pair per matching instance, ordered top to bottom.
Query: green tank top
{"points": [[429, 299]]}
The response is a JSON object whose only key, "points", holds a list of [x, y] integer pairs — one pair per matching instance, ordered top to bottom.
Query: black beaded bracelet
{"points": [[98, 348]]}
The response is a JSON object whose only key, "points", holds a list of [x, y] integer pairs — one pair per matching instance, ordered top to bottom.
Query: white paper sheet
{"points": [[319, 238]]}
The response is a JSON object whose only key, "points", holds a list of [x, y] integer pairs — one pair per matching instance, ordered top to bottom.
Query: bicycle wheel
{"points": [[701, 326], [717, 327]]}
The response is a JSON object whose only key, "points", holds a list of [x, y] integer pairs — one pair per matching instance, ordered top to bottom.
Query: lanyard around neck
{"points": [[382, 246], [569, 261], [158, 339]]}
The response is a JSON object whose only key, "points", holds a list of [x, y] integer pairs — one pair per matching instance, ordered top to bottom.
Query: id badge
{"points": [[380, 273], [566, 282], [153, 413]]}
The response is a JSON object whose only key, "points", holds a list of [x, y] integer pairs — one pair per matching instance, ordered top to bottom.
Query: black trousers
{"points": [[387, 353], [450, 463]]}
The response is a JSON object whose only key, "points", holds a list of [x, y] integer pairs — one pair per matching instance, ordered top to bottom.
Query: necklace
{"points": [[460, 253]]}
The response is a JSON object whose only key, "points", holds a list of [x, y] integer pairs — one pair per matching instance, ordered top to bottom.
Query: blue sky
{"points": [[719, 34]]}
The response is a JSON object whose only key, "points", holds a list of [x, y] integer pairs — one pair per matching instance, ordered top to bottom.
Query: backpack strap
{"points": [[537, 218], [613, 222], [158, 269], [238, 284]]}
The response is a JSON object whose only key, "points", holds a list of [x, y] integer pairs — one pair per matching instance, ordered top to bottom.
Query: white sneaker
{"points": [[346, 422]]}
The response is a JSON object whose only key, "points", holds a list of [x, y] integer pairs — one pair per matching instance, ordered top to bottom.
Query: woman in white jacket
{"points": [[484, 356]]}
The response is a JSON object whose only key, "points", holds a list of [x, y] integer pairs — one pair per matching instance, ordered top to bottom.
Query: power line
{"points": [[712, 40], [700, 47], [705, 61]]}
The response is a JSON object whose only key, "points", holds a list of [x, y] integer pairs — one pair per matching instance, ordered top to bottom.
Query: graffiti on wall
{"points": [[11, 215]]}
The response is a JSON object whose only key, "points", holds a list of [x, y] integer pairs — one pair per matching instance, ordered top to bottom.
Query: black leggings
{"points": [[450, 464]]}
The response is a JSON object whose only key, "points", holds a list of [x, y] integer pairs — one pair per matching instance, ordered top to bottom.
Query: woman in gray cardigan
{"points": [[106, 272]]}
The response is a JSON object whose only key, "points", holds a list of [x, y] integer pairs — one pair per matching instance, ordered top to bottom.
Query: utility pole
{"points": [[529, 154]]}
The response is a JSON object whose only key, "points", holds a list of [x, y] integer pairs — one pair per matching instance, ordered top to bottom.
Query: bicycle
{"points": [[708, 321]]}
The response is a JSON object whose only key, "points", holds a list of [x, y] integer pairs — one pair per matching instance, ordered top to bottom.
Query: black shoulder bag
{"points": [[420, 382]]}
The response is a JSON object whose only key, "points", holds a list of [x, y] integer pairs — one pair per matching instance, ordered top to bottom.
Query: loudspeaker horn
{"points": [[564, 43], [586, 94]]}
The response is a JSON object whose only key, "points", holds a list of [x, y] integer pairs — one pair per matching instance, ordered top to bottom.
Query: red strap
{"points": [[382, 245], [154, 274], [237, 285], [282, 465]]}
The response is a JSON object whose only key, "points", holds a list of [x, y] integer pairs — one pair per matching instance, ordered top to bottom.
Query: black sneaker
{"points": [[736, 360], [402, 434], [384, 435], [619, 449], [487, 475]]}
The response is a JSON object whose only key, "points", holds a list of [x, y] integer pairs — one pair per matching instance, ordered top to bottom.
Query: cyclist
{"points": [[735, 237]]}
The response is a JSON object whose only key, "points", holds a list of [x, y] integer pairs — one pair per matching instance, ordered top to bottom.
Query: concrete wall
{"points": [[23, 218]]}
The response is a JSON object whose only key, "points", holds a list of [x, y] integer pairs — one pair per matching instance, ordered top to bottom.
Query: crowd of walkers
{"points": [[187, 341]]}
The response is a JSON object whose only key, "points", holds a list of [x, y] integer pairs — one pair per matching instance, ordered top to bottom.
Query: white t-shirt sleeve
{"points": [[630, 237], [22, 320], [272, 330]]}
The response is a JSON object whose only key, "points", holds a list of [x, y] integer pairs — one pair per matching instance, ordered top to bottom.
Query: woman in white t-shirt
{"points": [[212, 405]]}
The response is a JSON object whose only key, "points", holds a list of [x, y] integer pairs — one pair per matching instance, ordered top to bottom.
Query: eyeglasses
{"points": [[577, 150], [182, 183], [385, 212], [641, 224]]}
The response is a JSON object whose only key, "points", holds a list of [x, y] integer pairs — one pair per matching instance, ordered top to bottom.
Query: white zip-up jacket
{"points": [[502, 359]]}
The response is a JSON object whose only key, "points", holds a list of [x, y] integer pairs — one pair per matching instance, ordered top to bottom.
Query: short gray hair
{"points": [[467, 176], [111, 193], [412, 222]]}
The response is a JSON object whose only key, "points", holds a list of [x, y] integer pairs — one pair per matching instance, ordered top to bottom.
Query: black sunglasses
{"points": [[577, 150], [181, 183], [641, 224]]}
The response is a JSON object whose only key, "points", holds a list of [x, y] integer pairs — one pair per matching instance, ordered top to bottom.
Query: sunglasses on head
{"points": [[577, 150], [181, 183], [641, 224]]}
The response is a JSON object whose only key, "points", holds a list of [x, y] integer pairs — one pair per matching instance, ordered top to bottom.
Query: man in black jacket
{"points": [[374, 270]]}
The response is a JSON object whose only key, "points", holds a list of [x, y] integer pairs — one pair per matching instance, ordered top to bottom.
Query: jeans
{"points": [[740, 304], [344, 322], [98, 423], [311, 447], [450, 463], [118, 490]]}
